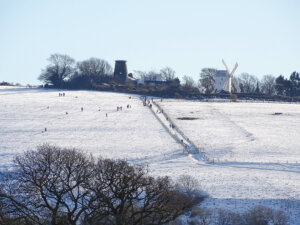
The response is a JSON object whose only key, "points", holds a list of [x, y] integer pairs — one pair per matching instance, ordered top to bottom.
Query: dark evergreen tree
{"points": [[295, 84], [280, 85], [242, 88], [257, 89]]}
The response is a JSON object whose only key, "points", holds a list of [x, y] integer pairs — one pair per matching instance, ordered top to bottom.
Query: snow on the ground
{"points": [[242, 132], [131, 134], [251, 144], [256, 153]]}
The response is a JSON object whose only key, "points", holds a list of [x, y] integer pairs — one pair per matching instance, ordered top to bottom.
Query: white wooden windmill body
{"points": [[221, 78]]}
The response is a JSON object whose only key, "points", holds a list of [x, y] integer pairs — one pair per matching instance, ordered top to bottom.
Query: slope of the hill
{"points": [[242, 132], [131, 133], [256, 153], [238, 181]]}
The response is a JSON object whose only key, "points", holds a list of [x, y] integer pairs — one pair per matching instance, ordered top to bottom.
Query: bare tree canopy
{"points": [[94, 67], [60, 68], [168, 73], [140, 74], [207, 81], [188, 82], [248, 83], [268, 85], [48, 184], [65, 187], [126, 195]]}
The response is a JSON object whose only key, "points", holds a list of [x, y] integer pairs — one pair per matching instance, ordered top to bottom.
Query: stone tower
{"points": [[121, 71]]}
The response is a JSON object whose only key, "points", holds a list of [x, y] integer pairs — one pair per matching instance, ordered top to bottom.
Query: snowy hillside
{"points": [[242, 132], [131, 133], [256, 153]]}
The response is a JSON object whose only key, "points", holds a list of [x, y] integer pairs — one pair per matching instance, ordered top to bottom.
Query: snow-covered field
{"points": [[241, 132], [132, 133], [256, 154]]}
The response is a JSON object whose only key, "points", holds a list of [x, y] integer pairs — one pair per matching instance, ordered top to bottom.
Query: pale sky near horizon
{"points": [[263, 36]]}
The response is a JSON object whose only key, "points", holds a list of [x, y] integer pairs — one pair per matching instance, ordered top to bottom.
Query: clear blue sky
{"points": [[263, 36]]}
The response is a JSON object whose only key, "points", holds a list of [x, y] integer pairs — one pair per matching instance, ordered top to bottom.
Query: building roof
{"points": [[221, 73], [153, 77]]}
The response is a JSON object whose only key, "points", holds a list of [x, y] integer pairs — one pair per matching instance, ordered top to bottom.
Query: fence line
{"points": [[197, 150]]}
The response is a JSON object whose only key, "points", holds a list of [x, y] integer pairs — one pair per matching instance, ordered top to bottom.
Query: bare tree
{"points": [[94, 67], [60, 68], [168, 73], [140, 74], [207, 81], [188, 82], [247, 83], [268, 85], [49, 184], [188, 184], [64, 187], [190, 187], [127, 195]]}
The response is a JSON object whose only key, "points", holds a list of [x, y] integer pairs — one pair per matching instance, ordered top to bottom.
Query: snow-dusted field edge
{"points": [[254, 154], [249, 172]]}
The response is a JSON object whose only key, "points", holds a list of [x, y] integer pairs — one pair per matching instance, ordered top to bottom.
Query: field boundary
{"points": [[173, 129], [201, 150]]}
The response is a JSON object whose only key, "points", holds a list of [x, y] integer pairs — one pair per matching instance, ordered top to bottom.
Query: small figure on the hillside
{"points": [[59, 94], [64, 94], [129, 97], [161, 99], [150, 106], [47, 107], [117, 108], [121, 108], [81, 109], [67, 113], [106, 114], [167, 118], [45, 129], [181, 141]]}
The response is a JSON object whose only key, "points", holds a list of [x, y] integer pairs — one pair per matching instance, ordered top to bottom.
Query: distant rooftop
{"points": [[221, 73]]}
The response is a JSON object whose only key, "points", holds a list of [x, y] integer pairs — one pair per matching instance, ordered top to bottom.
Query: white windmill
{"points": [[228, 83]]}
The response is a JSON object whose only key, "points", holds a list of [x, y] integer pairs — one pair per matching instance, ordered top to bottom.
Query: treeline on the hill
{"points": [[94, 73], [97, 74], [246, 83], [61, 186]]}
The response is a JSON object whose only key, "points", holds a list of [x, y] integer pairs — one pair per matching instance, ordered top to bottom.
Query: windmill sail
{"points": [[229, 81]]}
